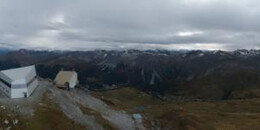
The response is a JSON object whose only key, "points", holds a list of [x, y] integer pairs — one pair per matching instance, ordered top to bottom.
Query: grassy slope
{"points": [[233, 83], [233, 114], [47, 116]]}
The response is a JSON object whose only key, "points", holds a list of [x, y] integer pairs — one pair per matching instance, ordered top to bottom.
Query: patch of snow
{"points": [[201, 54], [105, 55], [143, 75], [154, 76]]}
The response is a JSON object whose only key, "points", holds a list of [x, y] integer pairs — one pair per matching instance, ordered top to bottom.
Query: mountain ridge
{"points": [[219, 74]]}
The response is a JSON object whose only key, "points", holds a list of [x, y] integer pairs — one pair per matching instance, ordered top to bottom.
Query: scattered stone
{"points": [[41, 104], [3, 107], [137, 118], [6, 122], [15, 122], [8, 128]]}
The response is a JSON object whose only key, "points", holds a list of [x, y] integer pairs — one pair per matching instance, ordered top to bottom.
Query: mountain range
{"points": [[196, 74]]}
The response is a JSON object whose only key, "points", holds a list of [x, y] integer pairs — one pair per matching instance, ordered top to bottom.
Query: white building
{"points": [[66, 79], [19, 82]]}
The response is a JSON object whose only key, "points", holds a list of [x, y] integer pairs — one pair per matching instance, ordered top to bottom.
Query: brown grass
{"points": [[172, 114], [47, 116]]}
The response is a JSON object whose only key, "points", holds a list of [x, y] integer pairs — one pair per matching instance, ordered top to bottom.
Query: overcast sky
{"points": [[134, 24]]}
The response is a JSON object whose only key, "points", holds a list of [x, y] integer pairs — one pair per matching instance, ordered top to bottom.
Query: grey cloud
{"points": [[95, 24]]}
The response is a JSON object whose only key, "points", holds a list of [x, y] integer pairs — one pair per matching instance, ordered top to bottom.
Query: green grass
{"points": [[224, 115]]}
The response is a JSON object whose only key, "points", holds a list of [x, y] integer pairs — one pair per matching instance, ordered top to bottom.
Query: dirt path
{"points": [[68, 99], [71, 110], [119, 119]]}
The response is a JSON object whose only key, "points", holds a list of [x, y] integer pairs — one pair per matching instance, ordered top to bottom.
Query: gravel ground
{"points": [[119, 119]]}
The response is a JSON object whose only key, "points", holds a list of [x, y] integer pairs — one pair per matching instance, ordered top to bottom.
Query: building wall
{"points": [[31, 75], [4, 77], [73, 81], [17, 86], [32, 87], [5, 89], [14, 89], [18, 92]]}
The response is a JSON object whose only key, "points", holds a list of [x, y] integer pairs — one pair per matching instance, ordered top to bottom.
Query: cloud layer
{"points": [[136, 24]]}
